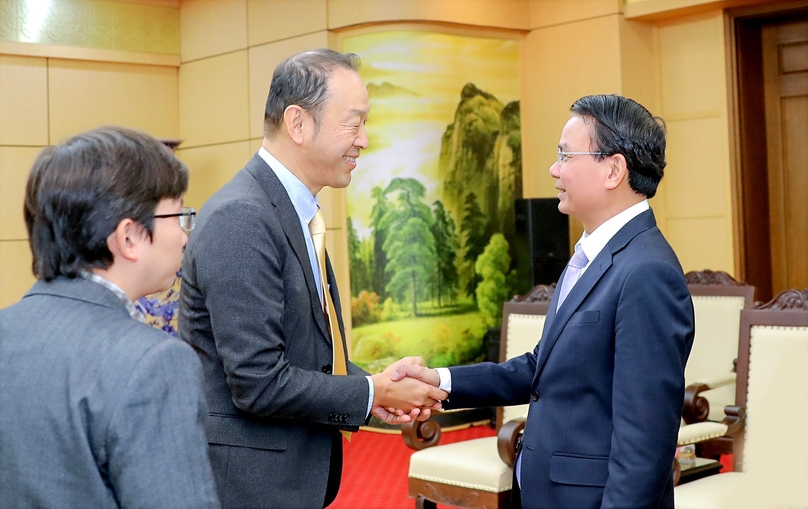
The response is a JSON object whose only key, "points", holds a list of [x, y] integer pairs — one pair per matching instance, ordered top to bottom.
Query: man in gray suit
{"points": [[256, 309], [96, 408]]}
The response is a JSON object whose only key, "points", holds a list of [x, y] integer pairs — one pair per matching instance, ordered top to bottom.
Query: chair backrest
{"points": [[717, 303], [522, 327], [773, 386]]}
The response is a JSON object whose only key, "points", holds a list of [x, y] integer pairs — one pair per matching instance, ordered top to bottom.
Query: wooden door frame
{"points": [[748, 153]]}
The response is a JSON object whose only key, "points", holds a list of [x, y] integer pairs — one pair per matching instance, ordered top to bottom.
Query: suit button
{"points": [[326, 369], [534, 395]]}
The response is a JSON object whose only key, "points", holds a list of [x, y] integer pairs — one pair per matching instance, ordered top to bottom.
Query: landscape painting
{"points": [[431, 202]]}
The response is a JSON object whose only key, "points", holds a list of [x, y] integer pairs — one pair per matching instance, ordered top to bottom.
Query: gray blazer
{"points": [[250, 309], [96, 409]]}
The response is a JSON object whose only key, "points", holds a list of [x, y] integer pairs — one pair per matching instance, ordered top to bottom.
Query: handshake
{"points": [[406, 390]]}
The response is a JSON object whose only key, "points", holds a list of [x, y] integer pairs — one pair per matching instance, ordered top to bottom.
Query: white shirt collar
{"points": [[593, 243]]}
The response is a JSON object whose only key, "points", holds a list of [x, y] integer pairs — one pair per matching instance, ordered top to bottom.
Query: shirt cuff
{"points": [[445, 379], [371, 393]]}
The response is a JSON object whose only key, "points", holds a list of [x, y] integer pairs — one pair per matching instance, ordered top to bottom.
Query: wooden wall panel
{"points": [[276, 20], [212, 27], [84, 95], [23, 100], [214, 100], [15, 165], [213, 166]]}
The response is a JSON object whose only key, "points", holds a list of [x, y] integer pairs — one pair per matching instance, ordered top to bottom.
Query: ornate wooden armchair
{"points": [[710, 372], [771, 448], [478, 473]]}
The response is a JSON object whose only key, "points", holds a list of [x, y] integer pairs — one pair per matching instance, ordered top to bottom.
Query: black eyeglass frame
{"points": [[188, 212]]}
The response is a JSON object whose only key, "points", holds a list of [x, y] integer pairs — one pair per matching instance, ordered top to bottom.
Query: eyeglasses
{"points": [[563, 156], [187, 217]]}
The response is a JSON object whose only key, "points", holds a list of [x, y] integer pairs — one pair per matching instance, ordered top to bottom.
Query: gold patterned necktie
{"points": [[339, 364]]}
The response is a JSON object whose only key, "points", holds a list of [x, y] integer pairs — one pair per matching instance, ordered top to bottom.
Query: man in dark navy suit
{"points": [[606, 382]]}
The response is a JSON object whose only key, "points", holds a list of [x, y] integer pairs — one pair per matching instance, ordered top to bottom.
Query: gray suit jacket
{"points": [[249, 307], [97, 409]]}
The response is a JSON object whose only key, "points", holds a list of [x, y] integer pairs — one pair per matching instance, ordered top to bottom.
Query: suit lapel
{"points": [[290, 222], [557, 320]]}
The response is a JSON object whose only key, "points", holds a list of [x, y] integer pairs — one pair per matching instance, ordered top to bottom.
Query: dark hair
{"points": [[302, 80], [623, 126], [81, 189]]}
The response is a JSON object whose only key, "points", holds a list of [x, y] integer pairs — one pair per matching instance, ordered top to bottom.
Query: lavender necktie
{"points": [[574, 267]]}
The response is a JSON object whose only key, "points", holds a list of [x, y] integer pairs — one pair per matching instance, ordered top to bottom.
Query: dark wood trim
{"points": [[748, 152], [718, 283], [788, 300], [419, 435], [457, 496]]}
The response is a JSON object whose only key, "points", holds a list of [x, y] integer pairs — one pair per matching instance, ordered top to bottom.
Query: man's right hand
{"points": [[422, 373], [411, 398]]}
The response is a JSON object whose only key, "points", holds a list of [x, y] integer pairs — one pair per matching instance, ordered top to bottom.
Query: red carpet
{"points": [[376, 464], [375, 469]]}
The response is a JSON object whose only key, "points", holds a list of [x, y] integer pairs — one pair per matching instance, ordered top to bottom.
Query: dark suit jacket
{"points": [[250, 308], [605, 384], [97, 409]]}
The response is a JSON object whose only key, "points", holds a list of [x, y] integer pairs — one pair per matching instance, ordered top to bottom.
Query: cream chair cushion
{"points": [[715, 346], [775, 454], [473, 464]]}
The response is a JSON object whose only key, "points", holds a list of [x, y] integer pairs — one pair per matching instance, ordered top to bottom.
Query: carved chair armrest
{"points": [[696, 407], [703, 431], [708, 432], [421, 434], [507, 438]]}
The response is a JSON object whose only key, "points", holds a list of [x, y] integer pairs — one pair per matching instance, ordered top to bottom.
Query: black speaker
{"points": [[542, 242]]}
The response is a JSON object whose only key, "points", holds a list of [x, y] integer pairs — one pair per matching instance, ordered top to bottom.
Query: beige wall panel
{"points": [[555, 12], [502, 13], [274, 20], [212, 27], [263, 60], [639, 61], [693, 67], [557, 68], [85, 95], [214, 100], [23, 101], [15, 165], [212, 167], [697, 175], [332, 201], [660, 205], [702, 243], [16, 277]]}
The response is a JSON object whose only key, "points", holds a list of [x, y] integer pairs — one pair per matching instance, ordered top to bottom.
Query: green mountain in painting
{"points": [[481, 166]]}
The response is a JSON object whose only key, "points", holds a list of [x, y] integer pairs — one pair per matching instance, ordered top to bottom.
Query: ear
{"points": [[294, 119], [618, 171], [127, 240]]}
